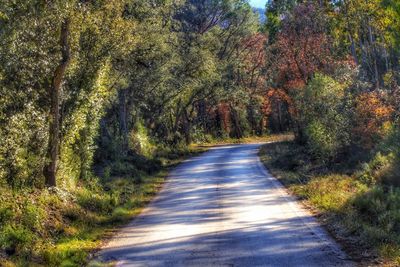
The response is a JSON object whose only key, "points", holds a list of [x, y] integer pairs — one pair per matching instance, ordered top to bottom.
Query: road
{"points": [[223, 208]]}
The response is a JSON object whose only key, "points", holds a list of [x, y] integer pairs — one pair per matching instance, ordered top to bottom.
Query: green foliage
{"points": [[147, 78], [324, 115], [139, 141], [389, 150], [375, 170], [94, 201], [380, 208], [353, 209], [6, 214], [120, 214], [33, 217], [56, 227], [16, 239]]}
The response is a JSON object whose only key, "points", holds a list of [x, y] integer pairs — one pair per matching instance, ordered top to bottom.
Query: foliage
{"points": [[139, 74], [117, 89], [324, 116], [372, 116], [365, 216], [55, 227]]}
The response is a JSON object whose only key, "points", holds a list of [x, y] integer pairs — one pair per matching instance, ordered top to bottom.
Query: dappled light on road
{"points": [[223, 209]]}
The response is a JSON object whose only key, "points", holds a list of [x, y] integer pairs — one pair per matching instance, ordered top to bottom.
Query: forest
{"points": [[98, 99]]}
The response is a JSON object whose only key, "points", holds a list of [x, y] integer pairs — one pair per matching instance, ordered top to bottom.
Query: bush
{"points": [[372, 115], [324, 117], [139, 141], [320, 141], [391, 147], [122, 169], [375, 170], [331, 193], [95, 202], [380, 208], [6, 214], [120, 215], [33, 217], [16, 239]]}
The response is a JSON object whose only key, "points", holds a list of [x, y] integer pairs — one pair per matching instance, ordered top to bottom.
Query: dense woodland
{"points": [[93, 90]]}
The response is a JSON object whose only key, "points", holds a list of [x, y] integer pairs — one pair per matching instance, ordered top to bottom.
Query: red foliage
{"points": [[302, 47], [254, 61], [273, 96], [223, 112], [371, 115]]}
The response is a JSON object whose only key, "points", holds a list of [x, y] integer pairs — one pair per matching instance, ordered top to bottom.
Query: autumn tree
{"points": [[301, 49]]}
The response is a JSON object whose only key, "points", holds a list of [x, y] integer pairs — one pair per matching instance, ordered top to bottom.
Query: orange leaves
{"points": [[302, 47], [255, 50], [253, 59], [273, 96], [223, 112], [371, 115]]}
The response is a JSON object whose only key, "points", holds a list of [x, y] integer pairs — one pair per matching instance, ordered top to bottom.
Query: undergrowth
{"points": [[358, 210], [55, 227]]}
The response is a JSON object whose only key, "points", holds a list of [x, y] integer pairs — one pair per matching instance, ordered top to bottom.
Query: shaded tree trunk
{"points": [[353, 49], [374, 56], [123, 117], [236, 123], [186, 128], [50, 169]]}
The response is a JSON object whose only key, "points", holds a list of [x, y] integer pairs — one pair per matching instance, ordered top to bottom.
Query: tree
{"points": [[301, 49], [324, 113]]}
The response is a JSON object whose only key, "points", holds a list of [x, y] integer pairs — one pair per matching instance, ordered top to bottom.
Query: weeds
{"points": [[349, 197], [54, 227]]}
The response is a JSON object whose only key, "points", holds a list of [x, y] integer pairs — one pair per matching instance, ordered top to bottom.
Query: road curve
{"points": [[223, 208]]}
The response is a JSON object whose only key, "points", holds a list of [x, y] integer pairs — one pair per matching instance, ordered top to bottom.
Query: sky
{"points": [[258, 3]]}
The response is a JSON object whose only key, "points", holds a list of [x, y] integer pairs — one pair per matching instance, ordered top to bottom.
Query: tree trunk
{"points": [[353, 49], [374, 56], [123, 120], [236, 123], [186, 128], [50, 169]]}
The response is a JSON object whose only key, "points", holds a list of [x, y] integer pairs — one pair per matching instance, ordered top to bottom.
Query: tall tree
{"points": [[50, 170]]}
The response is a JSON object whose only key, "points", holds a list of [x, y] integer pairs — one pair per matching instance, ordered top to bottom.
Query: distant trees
{"points": [[301, 48], [334, 68]]}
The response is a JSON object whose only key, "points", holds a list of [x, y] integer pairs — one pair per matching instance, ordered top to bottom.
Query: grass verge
{"points": [[246, 140], [364, 217], [54, 227]]}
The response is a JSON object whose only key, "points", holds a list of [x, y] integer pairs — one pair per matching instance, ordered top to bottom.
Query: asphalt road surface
{"points": [[223, 208]]}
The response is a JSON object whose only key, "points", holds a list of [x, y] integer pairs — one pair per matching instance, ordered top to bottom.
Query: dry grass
{"points": [[364, 218]]}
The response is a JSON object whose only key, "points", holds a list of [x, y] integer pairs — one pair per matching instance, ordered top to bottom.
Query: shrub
{"points": [[323, 109], [371, 116], [320, 140], [139, 141], [391, 146], [123, 168], [376, 169], [331, 193], [94, 202], [381, 208], [6, 214], [120, 215], [33, 217], [16, 239]]}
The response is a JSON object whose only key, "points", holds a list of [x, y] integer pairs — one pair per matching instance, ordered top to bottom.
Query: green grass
{"points": [[244, 140], [364, 216], [41, 227], [44, 227]]}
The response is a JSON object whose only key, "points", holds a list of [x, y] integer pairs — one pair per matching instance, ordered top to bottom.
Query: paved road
{"points": [[224, 209]]}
